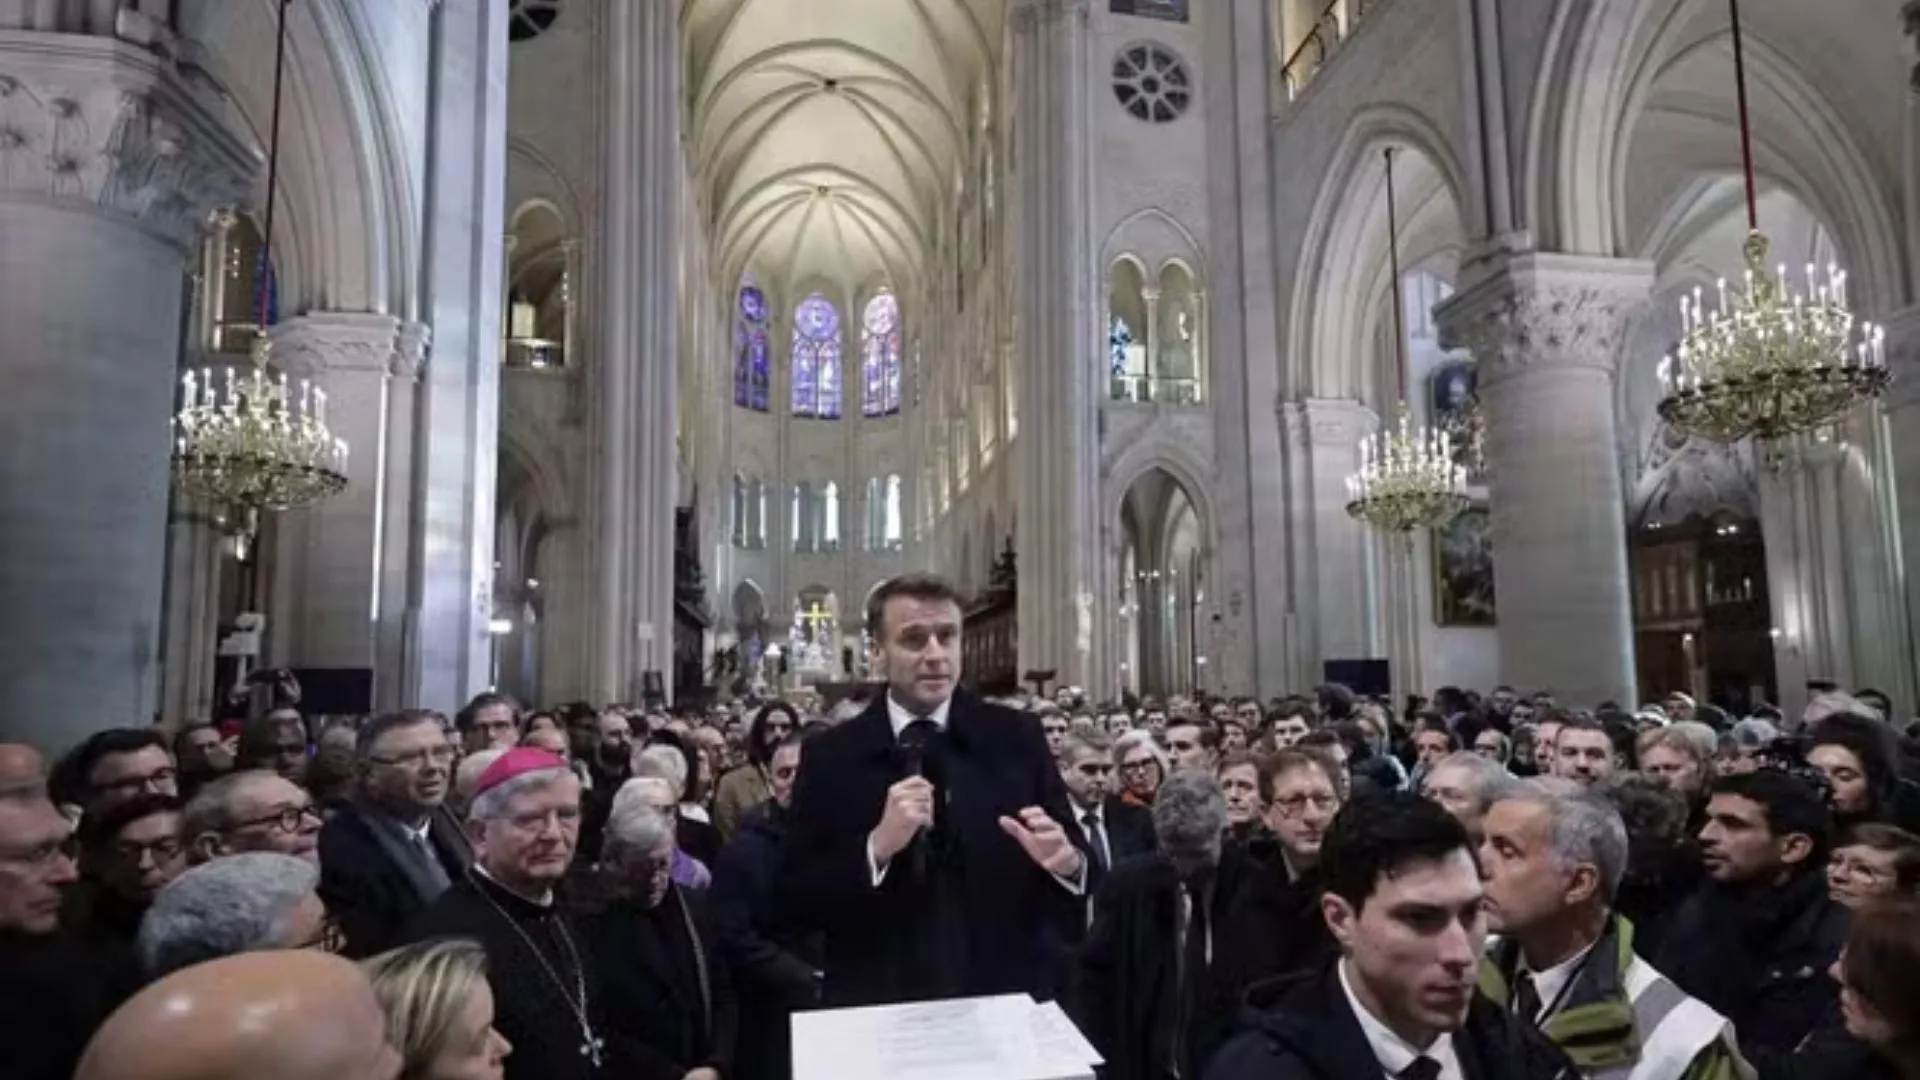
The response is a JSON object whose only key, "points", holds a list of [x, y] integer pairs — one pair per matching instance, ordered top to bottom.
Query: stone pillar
{"points": [[109, 166], [1545, 330], [455, 441], [1320, 444], [636, 480], [333, 556], [1806, 572], [1061, 613], [394, 641]]}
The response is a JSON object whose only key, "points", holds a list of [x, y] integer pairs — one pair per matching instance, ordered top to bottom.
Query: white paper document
{"points": [[993, 1038]]}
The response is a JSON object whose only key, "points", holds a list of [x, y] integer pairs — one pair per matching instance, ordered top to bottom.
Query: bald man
{"points": [[21, 766], [292, 1015]]}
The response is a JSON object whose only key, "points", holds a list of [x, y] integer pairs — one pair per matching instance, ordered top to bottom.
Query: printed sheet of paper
{"points": [[995, 1038]]}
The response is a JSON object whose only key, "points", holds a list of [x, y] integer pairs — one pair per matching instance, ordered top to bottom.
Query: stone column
{"points": [[109, 166], [1545, 329], [1902, 408], [456, 440], [1320, 445], [636, 477], [332, 556], [1806, 571], [1061, 613], [394, 640]]}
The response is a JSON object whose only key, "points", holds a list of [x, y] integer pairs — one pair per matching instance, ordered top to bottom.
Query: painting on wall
{"points": [[1170, 10], [1454, 406], [1463, 570]]}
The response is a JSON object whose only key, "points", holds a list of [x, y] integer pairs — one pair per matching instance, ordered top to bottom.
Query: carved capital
{"points": [[1030, 15], [98, 124], [1538, 310], [341, 343], [411, 351]]}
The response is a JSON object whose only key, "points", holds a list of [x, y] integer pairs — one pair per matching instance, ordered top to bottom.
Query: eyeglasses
{"points": [[438, 755], [1137, 766], [785, 772], [156, 778], [287, 819], [162, 850], [42, 856], [1858, 869]]}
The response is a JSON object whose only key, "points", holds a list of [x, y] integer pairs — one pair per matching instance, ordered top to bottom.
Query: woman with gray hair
{"points": [[1142, 765], [654, 793], [691, 830], [239, 903], [654, 945]]}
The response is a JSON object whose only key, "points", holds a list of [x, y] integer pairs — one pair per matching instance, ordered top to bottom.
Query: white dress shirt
{"points": [[900, 716], [1551, 984], [1393, 1052]]}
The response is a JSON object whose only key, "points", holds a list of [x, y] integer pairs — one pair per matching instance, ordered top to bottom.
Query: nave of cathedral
{"points": [[1450, 366]]}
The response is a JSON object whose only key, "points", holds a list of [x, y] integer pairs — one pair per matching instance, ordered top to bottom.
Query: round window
{"points": [[528, 19], [1152, 83]]}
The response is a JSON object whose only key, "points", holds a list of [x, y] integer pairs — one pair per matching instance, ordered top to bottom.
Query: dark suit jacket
{"points": [[369, 895], [965, 911], [1125, 996], [663, 1022]]}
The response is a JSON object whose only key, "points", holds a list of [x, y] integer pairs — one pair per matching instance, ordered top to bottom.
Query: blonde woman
{"points": [[440, 1010]]}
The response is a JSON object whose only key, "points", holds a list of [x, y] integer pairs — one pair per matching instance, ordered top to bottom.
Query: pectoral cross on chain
{"points": [[592, 1047]]}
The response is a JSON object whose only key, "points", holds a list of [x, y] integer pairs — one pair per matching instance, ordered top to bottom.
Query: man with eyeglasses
{"points": [[115, 766], [255, 810], [393, 850], [127, 854], [54, 990]]}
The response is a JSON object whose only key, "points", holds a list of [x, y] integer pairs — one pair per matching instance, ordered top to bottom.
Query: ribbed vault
{"points": [[827, 133]]}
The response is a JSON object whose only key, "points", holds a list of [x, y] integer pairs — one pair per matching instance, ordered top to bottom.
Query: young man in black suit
{"points": [[929, 836], [1402, 896]]}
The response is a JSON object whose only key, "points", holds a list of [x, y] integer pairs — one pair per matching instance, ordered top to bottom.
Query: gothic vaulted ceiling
{"points": [[828, 133]]}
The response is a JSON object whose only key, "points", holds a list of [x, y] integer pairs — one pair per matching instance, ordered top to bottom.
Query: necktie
{"points": [[913, 742], [1096, 838], [430, 861], [1526, 998], [1423, 1068]]}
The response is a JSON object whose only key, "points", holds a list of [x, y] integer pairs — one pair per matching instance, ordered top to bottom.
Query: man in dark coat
{"points": [[1110, 829], [929, 834], [393, 850], [1403, 899], [1756, 940], [776, 970], [1158, 988], [55, 990], [666, 993], [548, 1000]]}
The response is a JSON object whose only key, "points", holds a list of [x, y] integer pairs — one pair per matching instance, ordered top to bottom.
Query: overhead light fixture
{"points": [[1769, 360], [247, 444], [1407, 478]]}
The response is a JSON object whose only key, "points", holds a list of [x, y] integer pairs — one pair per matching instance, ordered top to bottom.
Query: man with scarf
{"points": [[1755, 942], [1564, 961]]}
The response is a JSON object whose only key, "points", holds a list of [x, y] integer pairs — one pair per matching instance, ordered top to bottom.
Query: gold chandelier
{"points": [[1769, 361], [1773, 362], [247, 443], [1407, 478]]}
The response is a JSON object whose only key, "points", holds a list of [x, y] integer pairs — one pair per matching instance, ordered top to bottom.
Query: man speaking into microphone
{"points": [[926, 836]]}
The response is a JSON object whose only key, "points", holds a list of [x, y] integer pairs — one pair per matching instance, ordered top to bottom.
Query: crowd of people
{"points": [[1322, 886]]}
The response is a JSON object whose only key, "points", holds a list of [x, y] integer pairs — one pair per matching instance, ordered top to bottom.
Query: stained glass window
{"points": [[880, 356], [816, 358], [752, 378]]}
